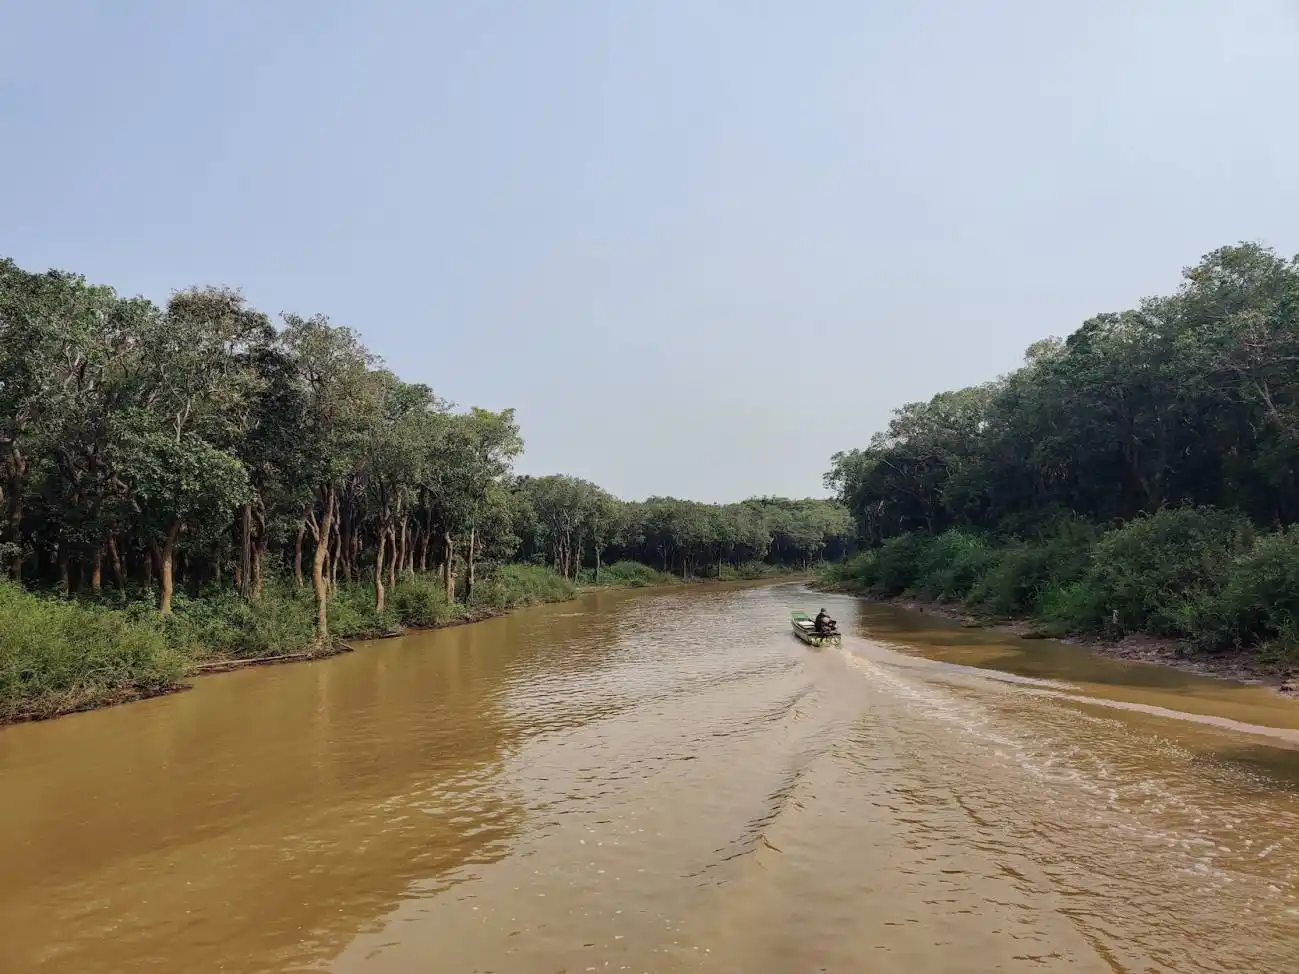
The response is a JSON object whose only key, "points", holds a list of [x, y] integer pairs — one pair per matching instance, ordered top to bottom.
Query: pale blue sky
{"points": [[649, 225]]}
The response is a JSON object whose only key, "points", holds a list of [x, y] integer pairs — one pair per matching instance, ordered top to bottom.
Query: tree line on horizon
{"points": [[197, 444]]}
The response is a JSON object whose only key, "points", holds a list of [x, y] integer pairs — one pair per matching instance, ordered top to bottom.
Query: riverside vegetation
{"points": [[1138, 477], [190, 483]]}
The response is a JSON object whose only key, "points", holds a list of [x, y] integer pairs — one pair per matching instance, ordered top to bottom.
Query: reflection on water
{"points": [[663, 781]]}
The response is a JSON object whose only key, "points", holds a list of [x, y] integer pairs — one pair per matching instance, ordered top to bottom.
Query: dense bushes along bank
{"points": [[1141, 475], [1204, 577], [59, 655]]}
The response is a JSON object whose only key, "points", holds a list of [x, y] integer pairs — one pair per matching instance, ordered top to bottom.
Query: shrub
{"points": [[897, 563], [951, 564], [751, 571], [858, 572], [1160, 572], [631, 574], [1023, 575], [512, 585], [1260, 602], [422, 603], [1072, 607], [352, 614], [281, 622], [57, 656]]}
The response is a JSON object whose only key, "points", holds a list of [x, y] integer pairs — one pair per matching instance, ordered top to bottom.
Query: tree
{"points": [[339, 402]]}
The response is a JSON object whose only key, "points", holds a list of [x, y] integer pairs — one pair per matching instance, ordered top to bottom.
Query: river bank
{"points": [[60, 657], [1241, 665]]}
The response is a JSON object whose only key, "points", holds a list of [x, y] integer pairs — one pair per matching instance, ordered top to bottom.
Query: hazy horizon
{"points": [[699, 248]]}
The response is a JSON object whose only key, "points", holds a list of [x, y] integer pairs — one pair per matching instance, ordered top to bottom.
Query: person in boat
{"points": [[823, 624]]}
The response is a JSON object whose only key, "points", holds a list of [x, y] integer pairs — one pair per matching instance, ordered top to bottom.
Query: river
{"points": [[663, 781]]}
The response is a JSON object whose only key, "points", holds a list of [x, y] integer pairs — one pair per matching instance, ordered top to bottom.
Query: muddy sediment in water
{"points": [[664, 781]]}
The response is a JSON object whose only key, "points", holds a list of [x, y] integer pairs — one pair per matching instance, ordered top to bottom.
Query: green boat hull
{"points": [[805, 629]]}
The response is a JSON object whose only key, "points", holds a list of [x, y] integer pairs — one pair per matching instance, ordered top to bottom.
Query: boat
{"points": [[805, 629]]}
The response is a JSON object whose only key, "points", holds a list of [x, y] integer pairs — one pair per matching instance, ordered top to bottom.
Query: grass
{"points": [[629, 574], [58, 656]]}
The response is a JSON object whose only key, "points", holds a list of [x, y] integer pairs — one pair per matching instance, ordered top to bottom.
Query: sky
{"points": [[699, 246]]}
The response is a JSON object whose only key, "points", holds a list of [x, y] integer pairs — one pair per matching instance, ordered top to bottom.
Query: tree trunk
{"points": [[15, 474], [347, 531], [16, 534], [425, 538], [335, 549], [246, 550], [398, 552], [297, 554], [115, 559], [259, 560], [392, 562], [318, 563], [597, 564], [148, 568], [65, 570], [166, 570], [448, 570], [97, 571], [378, 571], [469, 581]]}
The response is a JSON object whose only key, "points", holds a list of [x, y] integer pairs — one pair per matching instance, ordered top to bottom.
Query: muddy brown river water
{"points": [[663, 781]]}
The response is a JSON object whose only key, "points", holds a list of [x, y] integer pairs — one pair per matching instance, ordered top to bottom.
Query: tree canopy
{"points": [[1187, 399], [144, 447]]}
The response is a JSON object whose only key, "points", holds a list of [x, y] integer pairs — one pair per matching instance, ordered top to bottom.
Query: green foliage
{"points": [[1190, 399], [1156, 420], [194, 457], [570, 523], [898, 563], [950, 565], [752, 571], [857, 573], [1158, 573], [630, 574], [1022, 574], [515, 585], [422, 603], [1260, 603], [1078, 606], [353, 614], [279, 623], [57, 656]]}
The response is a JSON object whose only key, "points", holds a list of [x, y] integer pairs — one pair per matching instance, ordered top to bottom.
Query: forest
{"points": [[1136, 476], [196, 481]]}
